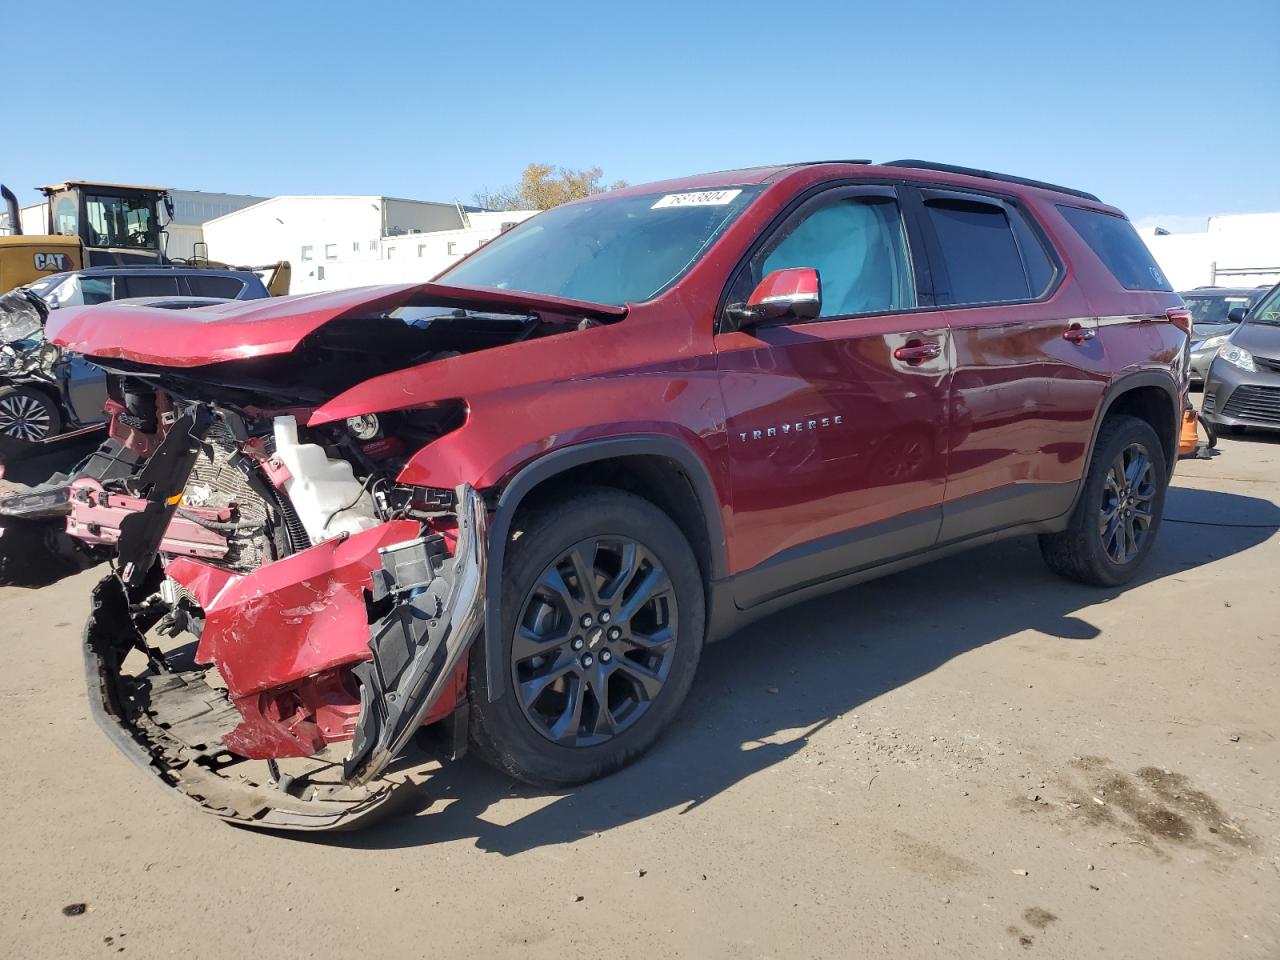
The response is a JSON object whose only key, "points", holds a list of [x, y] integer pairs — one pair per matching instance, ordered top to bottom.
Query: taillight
{"points": [[1180, 317]]}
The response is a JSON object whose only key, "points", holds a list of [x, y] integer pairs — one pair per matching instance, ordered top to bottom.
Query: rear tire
{"points": [[1117, 516], [631, 626]]}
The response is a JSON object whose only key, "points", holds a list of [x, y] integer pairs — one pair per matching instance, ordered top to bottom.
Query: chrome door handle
{"points": [[917, 352]]}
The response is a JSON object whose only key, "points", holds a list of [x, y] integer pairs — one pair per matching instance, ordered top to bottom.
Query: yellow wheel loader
{"points": [[98, 225]]}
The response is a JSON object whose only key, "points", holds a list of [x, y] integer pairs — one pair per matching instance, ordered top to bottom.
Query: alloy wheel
{"points": [[23, 417], [1128, 504], [594, 641]]}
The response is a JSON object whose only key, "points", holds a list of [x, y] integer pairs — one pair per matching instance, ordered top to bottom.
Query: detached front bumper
{"points": [[171, 723], [174, 724]]}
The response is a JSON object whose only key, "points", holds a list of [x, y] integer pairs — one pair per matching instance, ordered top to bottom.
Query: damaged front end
{"points": [[288, 606], [356, 637], [194, 735]]}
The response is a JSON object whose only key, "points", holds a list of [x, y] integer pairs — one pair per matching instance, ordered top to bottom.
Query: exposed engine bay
{"points": [[324, 606]]}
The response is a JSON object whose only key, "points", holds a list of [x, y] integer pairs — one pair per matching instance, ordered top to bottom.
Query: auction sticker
{"points": [[701, 198]]}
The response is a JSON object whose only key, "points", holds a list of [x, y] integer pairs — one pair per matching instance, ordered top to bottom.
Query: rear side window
{"points": [[1119, 247], [980, 252], [149, 286], [228, 287]]}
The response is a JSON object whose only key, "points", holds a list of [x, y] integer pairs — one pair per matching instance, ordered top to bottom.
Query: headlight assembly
{"points": [[1211, 343], [1237, 357]]}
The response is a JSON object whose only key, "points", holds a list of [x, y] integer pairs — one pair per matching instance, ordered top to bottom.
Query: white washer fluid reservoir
{"points": [[325, 493]]}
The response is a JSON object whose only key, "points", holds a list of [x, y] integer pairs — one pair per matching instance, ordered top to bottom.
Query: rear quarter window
{"points": [[1119, 248]]}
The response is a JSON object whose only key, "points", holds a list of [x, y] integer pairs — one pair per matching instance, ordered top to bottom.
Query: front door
{"points": [[836, 425]]}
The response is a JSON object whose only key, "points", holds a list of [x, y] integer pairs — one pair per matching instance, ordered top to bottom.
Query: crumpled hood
{"points": [[241, 329]]}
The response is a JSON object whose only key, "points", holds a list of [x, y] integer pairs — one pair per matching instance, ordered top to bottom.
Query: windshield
{"points": [[120, 222], [612, 250], [1213, 309], [1268, 309]]}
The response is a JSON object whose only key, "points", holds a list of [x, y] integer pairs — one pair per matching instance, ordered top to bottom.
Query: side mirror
{"points": [[794, 293], [1236, 314]]}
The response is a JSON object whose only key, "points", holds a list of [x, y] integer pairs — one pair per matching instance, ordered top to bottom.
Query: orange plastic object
{"points": [[1189, 437]]}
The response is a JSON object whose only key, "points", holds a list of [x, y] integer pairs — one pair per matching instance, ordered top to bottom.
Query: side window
{"points": [[1119, 247], [859, 248], [979, 252], [144, 286], [202, 286], [95, 290]]}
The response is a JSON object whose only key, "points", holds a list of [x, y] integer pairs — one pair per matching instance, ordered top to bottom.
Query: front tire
{"points": [[27, 415], [1114, 524], [603, 618]]}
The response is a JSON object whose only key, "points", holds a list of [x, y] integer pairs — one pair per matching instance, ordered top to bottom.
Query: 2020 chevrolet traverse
{"points": [[516, 501]]}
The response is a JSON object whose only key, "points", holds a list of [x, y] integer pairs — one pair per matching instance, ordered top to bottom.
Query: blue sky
{"points": [[1164, 108]]}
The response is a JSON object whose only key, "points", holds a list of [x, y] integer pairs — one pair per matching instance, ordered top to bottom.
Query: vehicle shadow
{"points": [[824, 658]]}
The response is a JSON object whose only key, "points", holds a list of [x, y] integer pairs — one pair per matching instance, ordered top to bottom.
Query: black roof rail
{"points": [[812, 163], [989, 175]]}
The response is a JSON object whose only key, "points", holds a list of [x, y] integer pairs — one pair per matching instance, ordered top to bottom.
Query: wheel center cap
{"points": [[596, 638]]}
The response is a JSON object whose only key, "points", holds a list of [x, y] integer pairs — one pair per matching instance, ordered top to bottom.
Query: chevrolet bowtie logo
{"points": [[785, 429]]}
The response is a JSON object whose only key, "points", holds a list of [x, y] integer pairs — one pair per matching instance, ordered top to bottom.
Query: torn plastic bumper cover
{"points": [[437, 610], [172, 723]]}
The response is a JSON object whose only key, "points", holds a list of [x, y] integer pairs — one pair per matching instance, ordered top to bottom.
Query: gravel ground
{"points": [[971, 759]]}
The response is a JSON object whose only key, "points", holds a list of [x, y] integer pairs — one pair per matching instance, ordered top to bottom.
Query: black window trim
{"points": [[826, 192], [1013, 207]]}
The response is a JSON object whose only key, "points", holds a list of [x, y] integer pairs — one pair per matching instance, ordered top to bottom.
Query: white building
{"points": [[349, 241], [1235, 250]]}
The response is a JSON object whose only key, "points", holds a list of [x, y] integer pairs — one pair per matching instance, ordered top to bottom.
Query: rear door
{"points": [[1029, 370], [836, 426]]}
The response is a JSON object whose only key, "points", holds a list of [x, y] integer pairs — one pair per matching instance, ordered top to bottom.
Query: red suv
{"points": [[513, 504]]}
